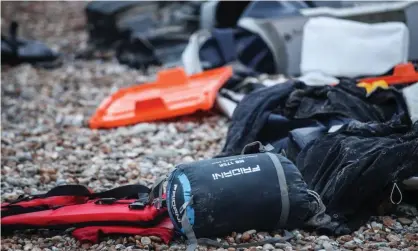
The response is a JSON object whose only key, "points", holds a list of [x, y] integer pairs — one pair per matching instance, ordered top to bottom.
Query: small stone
{"points": [[23, 156], [388, 221], [405, 221], [376, 226], [246, 236], [137, 237], [323, 237], [411, 237], [57, 238], [155, 238], [238, 238], [310, 238], [344, 238], [393, 238], [145, 240], [230, 240], [357, 240], [376, 244], [85, 245], [282, 245], [350, 245], [268, 246], [327, 246], [28, 247], [119, 247], [231, 249], [252, 249]]}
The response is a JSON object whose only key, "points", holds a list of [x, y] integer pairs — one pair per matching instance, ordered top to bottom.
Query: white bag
{"points": [[344, 48]]}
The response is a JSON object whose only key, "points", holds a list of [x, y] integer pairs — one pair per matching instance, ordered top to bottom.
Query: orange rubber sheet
{"points": [[402, 74], [172, 94]]}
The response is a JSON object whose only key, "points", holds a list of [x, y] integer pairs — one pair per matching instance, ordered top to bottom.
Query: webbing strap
{"points": [[261, 148], [158, 184], [128, 191], [284, 214], [187, 227]]}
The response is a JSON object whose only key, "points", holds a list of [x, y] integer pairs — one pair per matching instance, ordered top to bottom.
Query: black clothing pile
{"points": [[143, 33], [15, 50], [350, 147], [354, 169]]}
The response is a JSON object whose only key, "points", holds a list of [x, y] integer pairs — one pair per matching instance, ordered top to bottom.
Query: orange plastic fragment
{"points": [[402, 74], [172, 94]]}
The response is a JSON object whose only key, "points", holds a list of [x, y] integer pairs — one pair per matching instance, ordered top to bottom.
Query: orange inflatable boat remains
{"points": [[402, 74], [172, 94]]}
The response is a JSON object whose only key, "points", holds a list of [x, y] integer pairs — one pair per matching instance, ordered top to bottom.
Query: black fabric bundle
{"points": [[269, 114], [351, 147], [354, 168]]}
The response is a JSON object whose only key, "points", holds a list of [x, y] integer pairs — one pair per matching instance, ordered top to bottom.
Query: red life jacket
{"points": [[127, 209]]}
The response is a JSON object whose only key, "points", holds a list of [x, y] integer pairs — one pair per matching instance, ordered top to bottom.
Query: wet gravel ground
{"points": [[45, 141]]}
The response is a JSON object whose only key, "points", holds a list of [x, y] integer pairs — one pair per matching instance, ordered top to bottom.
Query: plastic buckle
{"points": [[143, 197], [105, 201], [163, 202], [137, 205]]}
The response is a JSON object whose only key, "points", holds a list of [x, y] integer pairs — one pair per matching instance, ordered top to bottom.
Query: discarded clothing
{"points": [[102, 18], [143, 33], [16, 50], [269, 114], [354, 168]]}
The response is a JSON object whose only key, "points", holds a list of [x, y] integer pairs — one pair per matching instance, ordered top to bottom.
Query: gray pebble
{"points": [[24, 156], [405, 221], [376, 225], [250, 232], [323, 237], [145, 240], [350, 244], [282, 245], [119, 246], [268, 246], [327, 246], [28, 247]]}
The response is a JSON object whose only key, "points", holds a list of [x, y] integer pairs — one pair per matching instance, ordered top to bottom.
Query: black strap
{"points": [[68, 190], [123, 192]]}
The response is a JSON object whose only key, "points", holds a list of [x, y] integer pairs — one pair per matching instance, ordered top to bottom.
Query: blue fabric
{"points": [[225, 41], [227, 46], [302, 136], [185, 184], [187, 190]]}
